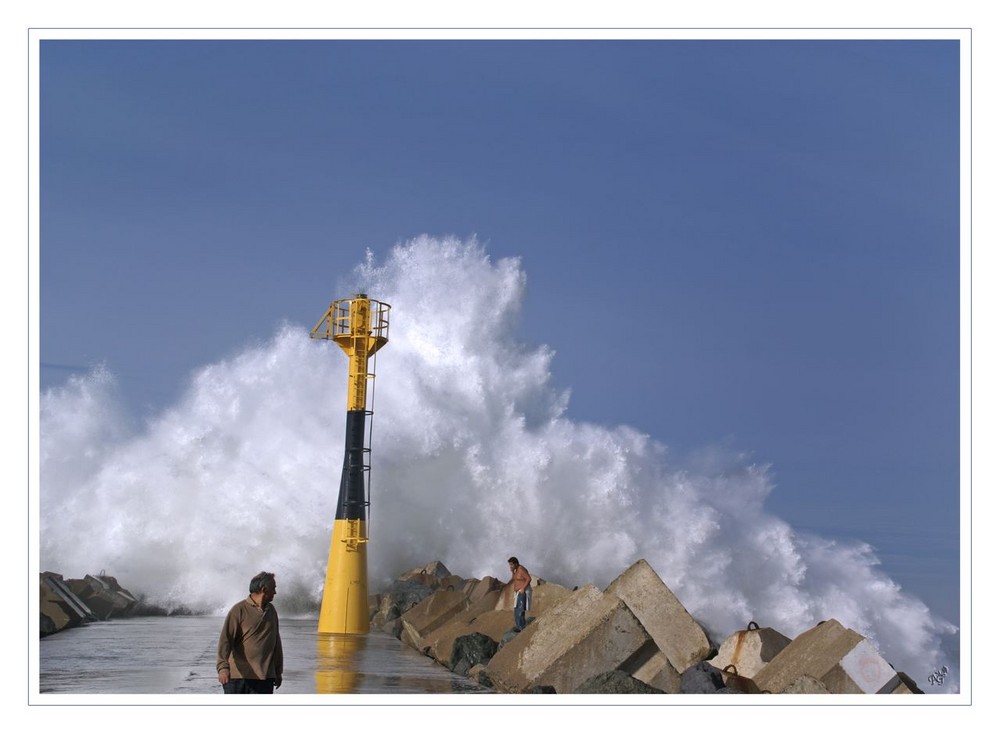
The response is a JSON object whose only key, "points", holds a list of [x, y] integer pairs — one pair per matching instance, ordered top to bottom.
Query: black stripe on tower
{"points": [[351, 505]]}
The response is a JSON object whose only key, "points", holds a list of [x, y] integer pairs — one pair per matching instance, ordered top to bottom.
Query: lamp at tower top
{"points": [[355, 317], [360, 326]]}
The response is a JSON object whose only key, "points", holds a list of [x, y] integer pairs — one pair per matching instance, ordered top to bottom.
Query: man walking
{"points": [[521, 580], [249, 658]]}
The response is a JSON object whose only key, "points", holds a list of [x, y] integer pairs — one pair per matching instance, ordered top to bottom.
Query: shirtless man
{"points": [[521, 579]]}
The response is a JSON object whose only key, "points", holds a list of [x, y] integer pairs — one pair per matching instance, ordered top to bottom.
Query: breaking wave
{"points": [[474, 459]]}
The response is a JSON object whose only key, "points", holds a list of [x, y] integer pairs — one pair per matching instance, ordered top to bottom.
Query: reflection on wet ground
{"points": [[154, 655]]}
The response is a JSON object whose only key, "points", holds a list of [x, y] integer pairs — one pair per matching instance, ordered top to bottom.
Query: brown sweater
{"points": [[249, 644]]}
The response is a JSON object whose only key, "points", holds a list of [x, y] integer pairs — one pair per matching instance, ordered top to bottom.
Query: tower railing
{"points": [[336, 324]]}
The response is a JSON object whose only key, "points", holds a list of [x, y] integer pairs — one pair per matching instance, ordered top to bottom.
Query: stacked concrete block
{"points": [[429, 575], [452, 583], [475, 589], [408, 590], [103, 595], [400, 597], [59, 607], [431, 613], [55, 614], [477, 617], [483, 617], [635, 627], [675, 632], [586, 634], [440, 642], [749, 650], [839, 658], [652, 667], [862, 670], [616, 682], [736, 682], [806, 684], [906, 684]]}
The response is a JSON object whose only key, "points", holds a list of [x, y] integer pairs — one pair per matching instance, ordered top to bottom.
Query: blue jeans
{"points": [[520, 605]]}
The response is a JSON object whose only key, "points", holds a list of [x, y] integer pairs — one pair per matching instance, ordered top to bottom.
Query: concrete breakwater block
{"points": [[430, 574], [413, 586], [476, 589], [104, 595], [400, 597], [59, 607], [431, 613], [54, 614], [479, 617], [483, 617], [636, 628], [675, 632], [585, 634], [749, 650], [842, 660], [651, 666], [862, 670], [615, 682], [737, 682], [806, 684], [907, 684]]}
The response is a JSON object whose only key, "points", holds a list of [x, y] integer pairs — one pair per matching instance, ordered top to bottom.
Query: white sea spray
{"points": [[474, 459]]}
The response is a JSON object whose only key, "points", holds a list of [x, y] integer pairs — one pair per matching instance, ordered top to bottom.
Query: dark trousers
{"points": [[249, 685]]}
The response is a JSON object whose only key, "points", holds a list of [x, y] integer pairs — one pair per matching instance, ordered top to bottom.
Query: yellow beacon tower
{"points": [[360, 326]]}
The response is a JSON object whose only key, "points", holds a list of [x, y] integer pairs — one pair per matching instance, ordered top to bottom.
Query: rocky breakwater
{"points": [[65, 603], [632, 637]]}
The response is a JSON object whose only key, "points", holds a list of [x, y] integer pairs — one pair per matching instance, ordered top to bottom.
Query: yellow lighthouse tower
{"points": [[360, 326]]}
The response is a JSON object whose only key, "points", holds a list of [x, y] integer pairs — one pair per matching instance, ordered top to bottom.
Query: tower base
{"points": [[345, 593]]}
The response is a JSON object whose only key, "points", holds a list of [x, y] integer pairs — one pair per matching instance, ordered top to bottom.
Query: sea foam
{"points": [[474, 459]]}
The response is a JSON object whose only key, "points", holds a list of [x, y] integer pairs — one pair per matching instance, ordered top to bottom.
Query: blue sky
{"points": [[753, 243]]}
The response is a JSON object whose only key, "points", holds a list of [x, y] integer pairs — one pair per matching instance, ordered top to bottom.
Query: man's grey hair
{"points": [[260, 581]]}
